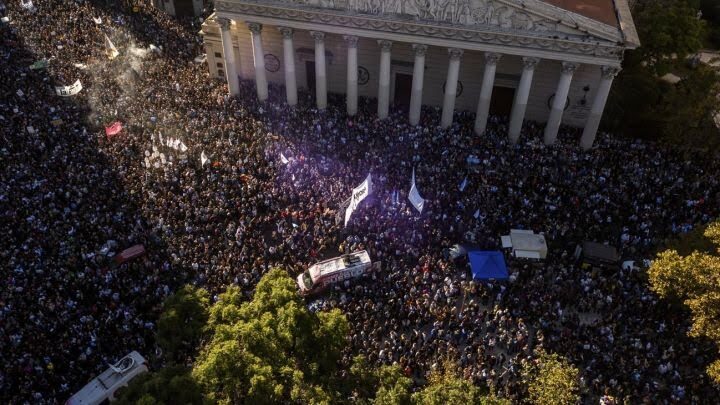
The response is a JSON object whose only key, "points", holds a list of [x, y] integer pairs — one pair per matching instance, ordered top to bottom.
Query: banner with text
{"points": [[67, 91], [359, 193]]}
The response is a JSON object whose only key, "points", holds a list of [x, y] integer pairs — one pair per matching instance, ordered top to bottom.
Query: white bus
{"points": [[320, 275], [102, 388]]}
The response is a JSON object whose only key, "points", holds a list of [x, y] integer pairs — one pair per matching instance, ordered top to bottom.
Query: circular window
{"points": [[272, 63], [363, 76], [459, 91], [550, 102]]}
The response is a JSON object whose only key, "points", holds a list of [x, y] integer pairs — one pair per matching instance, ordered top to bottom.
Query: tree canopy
{"points": [[643, 101], [695, 280], [182, 322], [271, 349], [550, 379], [170, 385], [446, 387]]}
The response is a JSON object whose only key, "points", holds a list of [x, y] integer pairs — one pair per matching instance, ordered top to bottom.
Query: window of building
{"points": [[217, 55], [219, 64], [221, 72]]}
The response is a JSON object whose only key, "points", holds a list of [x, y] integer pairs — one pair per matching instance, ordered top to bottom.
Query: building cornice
{"points": [[571, 48]]}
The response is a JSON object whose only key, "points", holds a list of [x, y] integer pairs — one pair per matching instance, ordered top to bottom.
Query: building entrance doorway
{"points": [[184, 8], [310, 75], [403, 90], [502, 101]]}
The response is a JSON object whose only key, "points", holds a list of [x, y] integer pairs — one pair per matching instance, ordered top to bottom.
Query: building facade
{"points": [[180, 8], [544, 60]]}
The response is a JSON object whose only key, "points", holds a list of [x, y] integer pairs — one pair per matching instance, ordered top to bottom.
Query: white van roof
{"points": [[105, 385]]}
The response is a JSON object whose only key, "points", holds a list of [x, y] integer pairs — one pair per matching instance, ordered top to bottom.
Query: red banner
{"points": [[113, 129]]}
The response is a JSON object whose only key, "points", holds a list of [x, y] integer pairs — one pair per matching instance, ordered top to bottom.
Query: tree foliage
{"points": [[667, 28], [642, 103], [695, 280], [182, 322], [271, 349], [550, 379], [170, 385], [384, 385], [446, 387]]}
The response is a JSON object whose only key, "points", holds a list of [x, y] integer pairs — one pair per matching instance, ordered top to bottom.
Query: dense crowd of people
{"points": [[71, 197]]}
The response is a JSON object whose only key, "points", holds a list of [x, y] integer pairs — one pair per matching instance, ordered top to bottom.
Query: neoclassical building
{"points": [[545, 60]]}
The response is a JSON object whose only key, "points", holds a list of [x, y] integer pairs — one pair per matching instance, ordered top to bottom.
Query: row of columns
{"points": [[455, 55]]}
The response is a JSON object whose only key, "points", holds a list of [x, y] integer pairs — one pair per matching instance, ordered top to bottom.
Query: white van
{"points": [[321, 275], [102, 388]]}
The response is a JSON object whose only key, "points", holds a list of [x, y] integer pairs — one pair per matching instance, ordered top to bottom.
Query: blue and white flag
{"points": [[463, 184], [414, 196], [477, 214]]}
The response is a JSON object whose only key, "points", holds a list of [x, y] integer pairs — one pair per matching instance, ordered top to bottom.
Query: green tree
{"points": [[667, 29], [642, 103], [695, 280], [182, 322], [271, 349], [550, 379], [170, 385], [385, 385], [446, 387]]}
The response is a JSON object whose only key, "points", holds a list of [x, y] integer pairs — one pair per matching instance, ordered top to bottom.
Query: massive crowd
{"points": [[71, 197]]}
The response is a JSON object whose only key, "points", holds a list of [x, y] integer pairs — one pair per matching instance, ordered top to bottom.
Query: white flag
{"points": [[27, 4], [97, 20], [110, 49], [183, 147], [203, 159], [283, 159], [463, 184], [359, 193], [414, 196], [477, 214]]}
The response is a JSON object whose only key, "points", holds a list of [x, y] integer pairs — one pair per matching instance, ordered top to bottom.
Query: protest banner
{"points": [[67, 91]]}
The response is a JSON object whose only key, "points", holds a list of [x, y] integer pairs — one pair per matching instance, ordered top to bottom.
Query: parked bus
{"points": [[321, 275], [102, 389]]}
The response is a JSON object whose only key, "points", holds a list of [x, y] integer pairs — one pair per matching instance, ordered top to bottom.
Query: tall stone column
{"points": [[229, 57], [259, 61], [289, 62], [320, 70], [352, 74], [384, 79], [488, 82], [417, 83], [451, 87], [521, 98], [558, 105], [596, 112]]}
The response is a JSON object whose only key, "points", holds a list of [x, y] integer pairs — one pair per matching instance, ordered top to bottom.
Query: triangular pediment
{"points": [[531, 16]]}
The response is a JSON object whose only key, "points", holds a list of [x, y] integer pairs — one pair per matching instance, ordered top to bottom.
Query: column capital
{"points": [[224, 23], [254, 27], [286, 32], [318, 35], [351, 40], [385, 45], [420, 49], [455, 53], [492, 58], [530, 62], [569, 67], [609, 72]]}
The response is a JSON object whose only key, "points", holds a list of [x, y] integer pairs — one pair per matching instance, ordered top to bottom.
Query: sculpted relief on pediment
{"points": [[458, 12]]}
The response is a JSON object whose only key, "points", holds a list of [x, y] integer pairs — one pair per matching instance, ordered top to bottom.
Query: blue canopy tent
{"points": [[487, 265]]}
